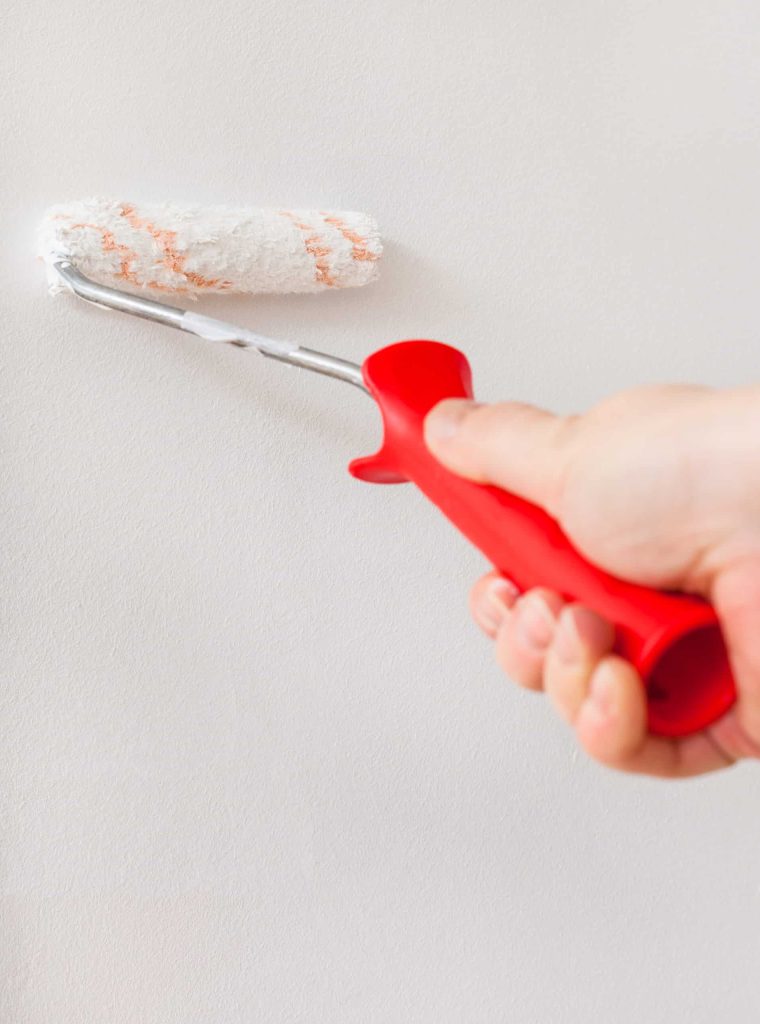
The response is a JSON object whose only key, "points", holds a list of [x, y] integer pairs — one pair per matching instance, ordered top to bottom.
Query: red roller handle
{"points": [[674, 640]]}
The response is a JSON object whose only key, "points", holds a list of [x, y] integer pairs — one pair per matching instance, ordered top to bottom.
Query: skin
{"points": [[659, 486]]}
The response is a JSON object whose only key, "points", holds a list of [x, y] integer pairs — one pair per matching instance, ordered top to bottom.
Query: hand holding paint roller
{"points": [[658, 485], [673, 640]]}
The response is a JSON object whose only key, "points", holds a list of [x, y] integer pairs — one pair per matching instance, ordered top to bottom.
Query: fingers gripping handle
{"points": [[673, 640]]}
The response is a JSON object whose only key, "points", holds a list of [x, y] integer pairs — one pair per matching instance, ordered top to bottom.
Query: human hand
{"points": [[660, 486]]}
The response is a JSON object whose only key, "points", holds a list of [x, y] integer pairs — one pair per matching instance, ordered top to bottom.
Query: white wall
{"points": [[255, 762]]}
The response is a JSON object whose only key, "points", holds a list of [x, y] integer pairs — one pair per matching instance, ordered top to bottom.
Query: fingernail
{"points": [[442, 422], [497, 599], [536, 622], [580, 631], [602, 692]]}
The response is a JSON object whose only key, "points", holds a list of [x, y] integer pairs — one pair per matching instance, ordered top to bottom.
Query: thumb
{"points": [[517, 447], [736, 596]]}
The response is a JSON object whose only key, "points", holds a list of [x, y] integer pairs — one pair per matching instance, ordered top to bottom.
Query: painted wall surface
{"points": [[256, 764]]}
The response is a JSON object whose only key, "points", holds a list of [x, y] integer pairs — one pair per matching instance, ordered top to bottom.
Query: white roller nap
{"points": [[193, 250]]}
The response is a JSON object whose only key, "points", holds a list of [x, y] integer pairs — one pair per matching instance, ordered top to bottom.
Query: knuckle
{"points": [[526, 673], [565, 685]]}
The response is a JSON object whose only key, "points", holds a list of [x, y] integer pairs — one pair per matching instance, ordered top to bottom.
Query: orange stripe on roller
{"points": [[110, 244], [316, 248], [359, 250], [173, 258]]}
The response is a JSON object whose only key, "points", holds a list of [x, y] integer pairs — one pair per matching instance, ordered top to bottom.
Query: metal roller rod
{"points": [[207, 327]]}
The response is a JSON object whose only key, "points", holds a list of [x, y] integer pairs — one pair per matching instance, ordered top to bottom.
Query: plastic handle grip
{"points": [[673, 639]]}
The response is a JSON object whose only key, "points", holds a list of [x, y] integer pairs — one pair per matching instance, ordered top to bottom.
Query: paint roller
{"points": [[127, 257]]}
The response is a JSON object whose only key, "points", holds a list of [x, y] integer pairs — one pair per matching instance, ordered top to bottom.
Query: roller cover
{"points": [[190, 250]]}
